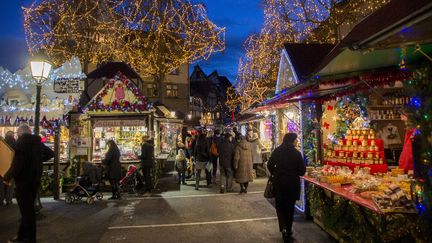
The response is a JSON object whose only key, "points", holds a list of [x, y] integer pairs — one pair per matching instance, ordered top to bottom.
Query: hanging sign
{"points": [[68, 85]]}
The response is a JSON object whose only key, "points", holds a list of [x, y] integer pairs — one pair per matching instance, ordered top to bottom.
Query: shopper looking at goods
{"points": [[226, 156], [147, 162], [243, 164], [286, 165], [113, 168], [26, 170]]}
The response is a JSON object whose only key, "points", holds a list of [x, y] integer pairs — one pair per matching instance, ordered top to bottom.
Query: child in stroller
{"points": [[132, 182], [88, 185]]}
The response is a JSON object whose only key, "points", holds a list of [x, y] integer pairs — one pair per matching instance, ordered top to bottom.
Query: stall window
{"points": [[152, 90], [172, 90]]}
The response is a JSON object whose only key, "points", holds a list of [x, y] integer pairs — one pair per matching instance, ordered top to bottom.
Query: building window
{"points": [[175, 72], [152, 90], [172, 90]]}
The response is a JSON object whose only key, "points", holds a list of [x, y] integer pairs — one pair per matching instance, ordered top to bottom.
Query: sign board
{"points": [[69, 85], [119, 123], [81, 151], [6, 157]]}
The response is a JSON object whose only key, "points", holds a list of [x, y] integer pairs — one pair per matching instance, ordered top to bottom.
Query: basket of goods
{"points": [[394, 199]]}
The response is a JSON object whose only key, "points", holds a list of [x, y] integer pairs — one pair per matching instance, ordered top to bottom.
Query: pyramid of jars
{"points": [[359, 147]]}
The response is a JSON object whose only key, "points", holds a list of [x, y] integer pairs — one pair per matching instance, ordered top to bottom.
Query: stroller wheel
{"points": [[99, 195], [69, 198], [90, 200]]}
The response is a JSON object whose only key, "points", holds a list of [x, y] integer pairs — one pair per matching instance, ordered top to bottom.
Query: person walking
{"points": [[256, 147], [214, 153], [226, 156], [202, 157], [147, 163], [181, 164], [243, 164], [286, 165], [113, 168], [26, 170], [6, 190]]}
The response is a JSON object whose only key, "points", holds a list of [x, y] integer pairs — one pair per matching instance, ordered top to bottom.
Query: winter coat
{"points": [[202, 149], [256, 150], [226, 153], [147, 155], [180, 161], [243, 162], [112, 164], [286, 165], [26, 168]]}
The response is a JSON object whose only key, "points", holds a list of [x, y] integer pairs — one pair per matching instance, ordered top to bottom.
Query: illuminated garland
{"points": [[154, 37], [141, 103]]}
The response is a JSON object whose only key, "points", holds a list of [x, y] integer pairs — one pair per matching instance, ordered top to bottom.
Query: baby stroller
{"points": [[132, 182], [88, 185]]}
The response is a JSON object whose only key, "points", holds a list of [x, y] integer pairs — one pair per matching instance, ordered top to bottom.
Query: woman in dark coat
{"points": [[286, 165], [113, 168]]}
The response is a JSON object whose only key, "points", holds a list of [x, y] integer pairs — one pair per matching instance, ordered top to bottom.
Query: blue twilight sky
{"points": [[240, 17]]}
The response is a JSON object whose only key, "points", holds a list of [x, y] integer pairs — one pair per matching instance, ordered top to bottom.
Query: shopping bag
{"points": [[7, 155], [269, 190]]}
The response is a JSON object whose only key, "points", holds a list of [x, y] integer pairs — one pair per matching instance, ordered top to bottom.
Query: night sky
{"points": [[240, 17]]}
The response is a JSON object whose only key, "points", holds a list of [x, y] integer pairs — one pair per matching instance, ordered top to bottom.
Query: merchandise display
{"points": [[128, 140], [382, 192]]}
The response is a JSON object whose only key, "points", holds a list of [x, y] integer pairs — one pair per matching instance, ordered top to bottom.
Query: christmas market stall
{"points": [[117, 112], [373, 179]]}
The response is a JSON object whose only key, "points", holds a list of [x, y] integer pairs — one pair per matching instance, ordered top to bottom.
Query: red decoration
{"points": [[329, 107], [326, 125]]}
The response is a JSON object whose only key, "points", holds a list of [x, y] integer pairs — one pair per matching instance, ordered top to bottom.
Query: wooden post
{"points": [[319, 113], [56, 184]]}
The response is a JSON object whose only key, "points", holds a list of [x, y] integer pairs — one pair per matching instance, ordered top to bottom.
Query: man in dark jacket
{"points": [[226, 155], [202, 157], [147, 162], [286, 165], [26, 170]]}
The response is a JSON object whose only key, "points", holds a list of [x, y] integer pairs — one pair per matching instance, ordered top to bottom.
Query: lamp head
{"points": [[40, 67]]}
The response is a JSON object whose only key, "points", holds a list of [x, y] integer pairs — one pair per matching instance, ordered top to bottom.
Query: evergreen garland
{"points": [[420, 115]]}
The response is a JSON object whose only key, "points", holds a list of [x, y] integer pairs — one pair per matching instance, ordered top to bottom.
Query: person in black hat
{"points": [[286, 164]]}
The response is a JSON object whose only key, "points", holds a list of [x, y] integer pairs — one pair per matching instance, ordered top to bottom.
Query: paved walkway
{"points": [[176, 214]]}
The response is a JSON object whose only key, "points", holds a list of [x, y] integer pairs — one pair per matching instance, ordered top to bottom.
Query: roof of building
{"points": [[306, 57], [110, 69]]}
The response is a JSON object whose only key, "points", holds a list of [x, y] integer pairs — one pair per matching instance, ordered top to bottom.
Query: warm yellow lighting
{"points": [[40, 70]]}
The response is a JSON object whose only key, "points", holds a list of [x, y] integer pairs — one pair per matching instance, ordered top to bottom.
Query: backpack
{"points": [[214, 150]]}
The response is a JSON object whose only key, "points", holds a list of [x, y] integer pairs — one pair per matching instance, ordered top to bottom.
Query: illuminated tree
{"points": [[292, 21], [66, 28], [167, 33], [154, 36]]}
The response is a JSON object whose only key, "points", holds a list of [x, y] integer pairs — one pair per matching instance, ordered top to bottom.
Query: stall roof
{"points": [[375, 42], [306, 57]]}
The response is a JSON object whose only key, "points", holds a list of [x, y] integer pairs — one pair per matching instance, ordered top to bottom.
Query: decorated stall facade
{"points": [[118, 112]]}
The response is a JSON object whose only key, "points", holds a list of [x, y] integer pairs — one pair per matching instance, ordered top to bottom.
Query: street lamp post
{"points": [[40, 69]]}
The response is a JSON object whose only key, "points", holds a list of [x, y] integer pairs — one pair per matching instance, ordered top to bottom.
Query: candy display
{"points": [[128, 140]]}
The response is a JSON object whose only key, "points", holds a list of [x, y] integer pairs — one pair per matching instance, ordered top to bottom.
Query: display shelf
{"points": [[385, 106]]}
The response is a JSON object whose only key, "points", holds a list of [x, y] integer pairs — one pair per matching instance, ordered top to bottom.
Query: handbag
{"points": [[269, 190]]}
